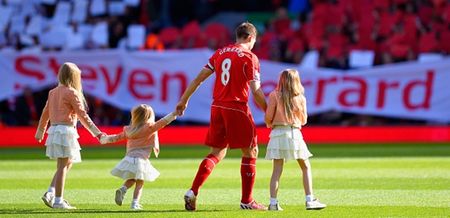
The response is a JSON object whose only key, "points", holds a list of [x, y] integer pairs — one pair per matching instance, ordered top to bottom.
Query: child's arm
{"points": [[271, 108], [304, 111], [84, 118], [43, 121], [161, 123], [106, 139]]}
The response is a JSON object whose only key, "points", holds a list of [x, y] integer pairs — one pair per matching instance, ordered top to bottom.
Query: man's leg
{"points": [[207, 166], [204, 170], [248, 172]]}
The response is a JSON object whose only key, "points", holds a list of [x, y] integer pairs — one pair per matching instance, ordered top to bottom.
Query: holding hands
{"points": [[180, 108]]}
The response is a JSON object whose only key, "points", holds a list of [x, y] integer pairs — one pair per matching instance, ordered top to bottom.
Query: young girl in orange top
{"points": [[65, 106], [286, 114], [142, 137]]}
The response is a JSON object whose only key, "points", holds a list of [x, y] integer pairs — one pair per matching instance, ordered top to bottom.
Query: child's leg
{"points": [[61, 172], [307, 178], [275, 179], [129, 183], [51, 188], [138, 190], [120, 193], [311, 202]]}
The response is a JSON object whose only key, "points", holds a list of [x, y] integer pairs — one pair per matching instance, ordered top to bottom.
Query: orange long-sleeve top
{"points": [[65, 107], [275, 113], [144, 140]]}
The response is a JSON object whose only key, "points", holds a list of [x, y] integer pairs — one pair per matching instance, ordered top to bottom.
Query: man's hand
{"points": [[180, 108]]}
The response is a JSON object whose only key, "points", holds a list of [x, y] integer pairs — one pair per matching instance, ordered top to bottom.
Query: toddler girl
{"points": [[142, 137]]}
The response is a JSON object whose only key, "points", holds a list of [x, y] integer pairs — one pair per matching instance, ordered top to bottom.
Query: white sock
{"points": [[51, 189], [189, 193], [309, 198], [58, 200], [135, 201], [273, 201]]}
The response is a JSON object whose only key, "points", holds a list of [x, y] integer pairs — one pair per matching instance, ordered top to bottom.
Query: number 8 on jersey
{"points": [[225, 76]]}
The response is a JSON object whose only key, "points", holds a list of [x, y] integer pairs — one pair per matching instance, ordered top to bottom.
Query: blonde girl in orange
{"points": [[64, 107], [286, 114], [142, 138]]}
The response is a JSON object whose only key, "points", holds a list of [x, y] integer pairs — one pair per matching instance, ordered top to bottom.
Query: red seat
{"points": [[382, 5], [425, 14], [335, 15], [446, 15], [387, 22], [281, 24], [191, 29], [217, 35], [169, 36], [193, 36], [445, 41], [428, 43], [295, 45], [335, 52]]}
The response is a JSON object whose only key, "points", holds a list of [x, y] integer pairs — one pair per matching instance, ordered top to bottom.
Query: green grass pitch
{"points": [[392, 180]]}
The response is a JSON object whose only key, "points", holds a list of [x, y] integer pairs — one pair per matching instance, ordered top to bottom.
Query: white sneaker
{"points": [[120, 194], [49, 199], [189, 200], [64, 205], [315, 205], [136, 206], [275, 207]]}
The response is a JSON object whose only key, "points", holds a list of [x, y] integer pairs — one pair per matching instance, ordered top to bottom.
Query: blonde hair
{"points": [[70, 75], [289, 86], [139, 115]]}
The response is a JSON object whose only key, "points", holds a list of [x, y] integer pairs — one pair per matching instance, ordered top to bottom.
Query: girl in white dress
{"points": [[65, 106], [286, 114], [142, 137]]}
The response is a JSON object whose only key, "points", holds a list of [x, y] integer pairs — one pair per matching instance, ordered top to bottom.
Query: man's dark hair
{"points": [[244, 30]]}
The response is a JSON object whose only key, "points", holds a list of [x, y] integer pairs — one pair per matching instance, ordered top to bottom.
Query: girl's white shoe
{"points": [[119, 196], [48, 199], [64, 205], [315, 205], [136, 206], [275, 207]]}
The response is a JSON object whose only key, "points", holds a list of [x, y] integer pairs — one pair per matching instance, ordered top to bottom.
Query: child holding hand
{"points": [[64, 107], [142, 138]]}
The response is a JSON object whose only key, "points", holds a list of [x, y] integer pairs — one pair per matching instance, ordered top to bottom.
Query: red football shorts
{"points": [[231, 125]]}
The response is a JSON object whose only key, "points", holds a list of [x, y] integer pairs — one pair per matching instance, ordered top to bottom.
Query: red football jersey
{"points": [[234, 67]]}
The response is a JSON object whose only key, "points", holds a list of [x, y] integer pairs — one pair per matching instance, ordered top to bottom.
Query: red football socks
{"points": [[204, 170], [248, 173]]}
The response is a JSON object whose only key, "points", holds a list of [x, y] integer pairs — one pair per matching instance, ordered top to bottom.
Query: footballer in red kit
{"points": [[235, 67], [231, 125]]}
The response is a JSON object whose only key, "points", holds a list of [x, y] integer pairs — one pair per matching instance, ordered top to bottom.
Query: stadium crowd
{"points": [[393, 30]]}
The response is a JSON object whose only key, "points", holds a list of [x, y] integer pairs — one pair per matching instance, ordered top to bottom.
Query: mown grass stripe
{"points": [[346, 197]]}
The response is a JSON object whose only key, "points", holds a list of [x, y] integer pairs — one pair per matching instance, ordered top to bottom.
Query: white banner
{"points": [[408, 90]]}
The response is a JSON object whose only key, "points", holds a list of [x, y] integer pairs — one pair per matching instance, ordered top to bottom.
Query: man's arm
{"points": [[193, 86], [258, 94]]}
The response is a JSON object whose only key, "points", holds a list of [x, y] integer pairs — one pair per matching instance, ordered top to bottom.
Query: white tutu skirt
{"points": [[62, 141], [287, 143], [135, 168]]}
